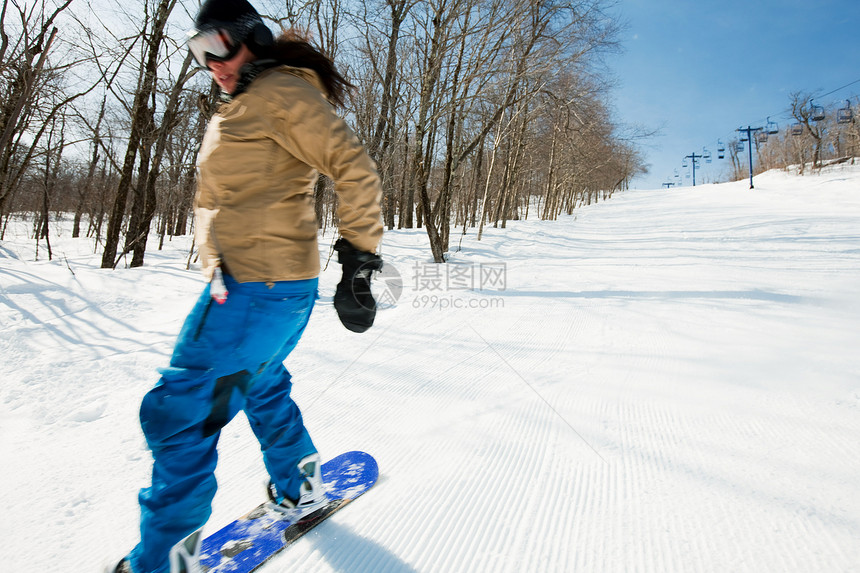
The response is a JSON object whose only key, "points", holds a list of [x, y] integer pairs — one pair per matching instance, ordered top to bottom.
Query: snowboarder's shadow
{"points": [[344, 550]]}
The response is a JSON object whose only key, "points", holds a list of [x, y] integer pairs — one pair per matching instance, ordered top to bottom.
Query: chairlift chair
{"points": [[817, 113], [845, 114], [772, 127], [796, 129], [761, 136], [739, 146], [721, 149], [706, 155]]}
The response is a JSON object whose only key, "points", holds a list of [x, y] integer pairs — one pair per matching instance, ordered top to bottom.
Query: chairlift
{"points": [[817, 113], [845, 114], [772, 127], [796, 129], [761, 136], [739, 146], [721, 149], [706, 155], [684, 163]]}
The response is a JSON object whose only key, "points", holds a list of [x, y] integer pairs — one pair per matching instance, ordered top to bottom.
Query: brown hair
{"points": [[294, 50]]}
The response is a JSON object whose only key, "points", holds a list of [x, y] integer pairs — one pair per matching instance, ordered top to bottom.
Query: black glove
{"points": [[353, 300]]}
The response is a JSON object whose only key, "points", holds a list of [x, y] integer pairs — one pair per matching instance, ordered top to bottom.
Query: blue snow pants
{"points": [[229, 357]]}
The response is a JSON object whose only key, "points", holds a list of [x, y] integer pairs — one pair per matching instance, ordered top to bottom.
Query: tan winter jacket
{"points": [[257, 167]]}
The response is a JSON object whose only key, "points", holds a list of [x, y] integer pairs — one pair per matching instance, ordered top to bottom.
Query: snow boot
{"points": [[312, 496], [185, 556], [122, 567]]}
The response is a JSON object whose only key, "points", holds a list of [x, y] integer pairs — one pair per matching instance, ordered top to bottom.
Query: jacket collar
{"points": [[247, 74]]}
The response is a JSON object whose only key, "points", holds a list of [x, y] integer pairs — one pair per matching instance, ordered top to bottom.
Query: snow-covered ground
{"points": [[668, 381]]}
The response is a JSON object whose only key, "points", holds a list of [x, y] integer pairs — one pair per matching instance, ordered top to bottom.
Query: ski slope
{"points": [[668, 381]]}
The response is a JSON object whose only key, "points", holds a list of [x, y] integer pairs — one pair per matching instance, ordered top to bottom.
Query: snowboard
{"points": [[245, 544]]}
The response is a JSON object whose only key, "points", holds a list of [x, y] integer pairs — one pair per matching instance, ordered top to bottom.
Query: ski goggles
{"points": [[216, 45]]}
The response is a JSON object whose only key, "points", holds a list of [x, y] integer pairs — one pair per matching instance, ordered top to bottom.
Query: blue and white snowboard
{"points": [[254, 538]]}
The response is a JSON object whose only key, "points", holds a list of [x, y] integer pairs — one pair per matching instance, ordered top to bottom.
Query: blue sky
{"points": [[699, 70]]}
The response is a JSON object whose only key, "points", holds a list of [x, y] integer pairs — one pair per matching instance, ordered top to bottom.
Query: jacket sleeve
{"points": [[309, 128], [205, 211]]}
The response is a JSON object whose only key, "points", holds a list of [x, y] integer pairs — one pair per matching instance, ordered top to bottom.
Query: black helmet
{"points": [[222, 26]]}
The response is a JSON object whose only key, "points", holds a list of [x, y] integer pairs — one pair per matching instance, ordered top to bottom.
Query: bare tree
{"points": [[22, 68], [803, 111], [141, 124], [144, 206]]}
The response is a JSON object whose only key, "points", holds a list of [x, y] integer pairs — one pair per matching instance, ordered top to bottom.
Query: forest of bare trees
{"points": [[477, 112]]}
